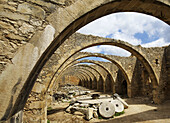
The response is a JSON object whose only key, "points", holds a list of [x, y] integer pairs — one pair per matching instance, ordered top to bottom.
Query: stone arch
{"points": [[96, 7], [74, 17], [136, 50], [114, 59], [85, 68], [101, 71], [90, 74], [66, 75], [86, 75], [100, 76], [82, 81], [111, 84], [90, 85]]}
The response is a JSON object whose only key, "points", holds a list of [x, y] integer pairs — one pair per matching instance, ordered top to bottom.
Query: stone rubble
{"points": [[89, 104]]}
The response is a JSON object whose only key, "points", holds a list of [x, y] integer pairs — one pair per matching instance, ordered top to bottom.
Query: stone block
{"points": [[3, 1], [61, 2], [12, 3], [5, 6], [48, 6], [32, 10], [14, 16], [60, 21], [36, 22], [7, 26], [26, 28], [15, 37], [46, 37], [38, 88], [37, 105], [89, 114]]}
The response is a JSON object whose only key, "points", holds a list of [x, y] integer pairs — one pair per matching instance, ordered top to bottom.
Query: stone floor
{"points": [[140, 111]]}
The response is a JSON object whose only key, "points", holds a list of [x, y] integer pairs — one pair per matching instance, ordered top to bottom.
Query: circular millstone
{"points": [[123, 102], [118, 106], [107, 109]]}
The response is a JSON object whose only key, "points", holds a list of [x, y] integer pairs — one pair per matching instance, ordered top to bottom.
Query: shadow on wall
{"points": [[108, 83], [121, 84], [141, 84], [164, 85]]}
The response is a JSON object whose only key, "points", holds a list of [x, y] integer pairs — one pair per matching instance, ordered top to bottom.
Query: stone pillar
{"points": [[100, 84], [104, 87], [113, 88], [129, 90], [156, 95], [49, 98], [35, 110], [17, 118]]}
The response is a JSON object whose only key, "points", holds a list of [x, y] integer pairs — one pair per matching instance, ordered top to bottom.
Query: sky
{"points": [[134, 28], [94, 58]]}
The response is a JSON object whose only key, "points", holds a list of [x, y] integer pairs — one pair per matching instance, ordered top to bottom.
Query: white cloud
{"points": [[124, 26], [128, 38], [158, 43], [94, 49], [108, 50], [95, 58], [84, 64]]}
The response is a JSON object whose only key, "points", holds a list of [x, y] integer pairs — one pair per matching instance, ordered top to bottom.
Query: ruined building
{"points": [[39, 49]]}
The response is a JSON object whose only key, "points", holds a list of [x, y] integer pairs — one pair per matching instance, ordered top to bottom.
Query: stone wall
{"points": [[19, 20], [22, 20], [167, 76], [69, 79]]}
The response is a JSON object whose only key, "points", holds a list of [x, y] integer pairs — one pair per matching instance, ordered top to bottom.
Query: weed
{"points": [[49, 108], [119, 113], [48, 121]]}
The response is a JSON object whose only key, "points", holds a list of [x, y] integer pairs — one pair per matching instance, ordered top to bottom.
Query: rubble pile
{"points": [[69, 93], [92, 105]]}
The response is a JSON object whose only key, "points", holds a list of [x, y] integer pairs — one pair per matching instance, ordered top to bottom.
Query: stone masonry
{"points": [[31, 31]]}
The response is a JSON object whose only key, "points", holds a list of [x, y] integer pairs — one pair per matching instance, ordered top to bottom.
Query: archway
{"points": [[88, 10], [100, 77], [107, 82], [124, 88]]}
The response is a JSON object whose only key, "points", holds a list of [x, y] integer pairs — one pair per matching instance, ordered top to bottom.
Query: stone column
{"points": [[129, 90], [156, 95], [35, 109], [17, 118]]}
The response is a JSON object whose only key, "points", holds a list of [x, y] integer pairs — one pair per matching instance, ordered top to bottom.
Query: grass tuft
{"points": [[119, 113]]}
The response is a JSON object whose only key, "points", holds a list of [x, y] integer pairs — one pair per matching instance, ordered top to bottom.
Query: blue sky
{"points": [[134, 28], [94, 58]]}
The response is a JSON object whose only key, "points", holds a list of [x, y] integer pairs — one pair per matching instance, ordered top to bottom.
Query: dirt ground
{"points": [[140, 111]]}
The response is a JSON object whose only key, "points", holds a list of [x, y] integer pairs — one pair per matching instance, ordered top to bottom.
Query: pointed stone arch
{"points": [[66, 21]]}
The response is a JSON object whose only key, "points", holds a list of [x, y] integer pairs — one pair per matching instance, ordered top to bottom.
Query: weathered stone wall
{"points": [[20, 20], [19, 24], [73, 80], [118, 83], [141, 83], [164, 87]]}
